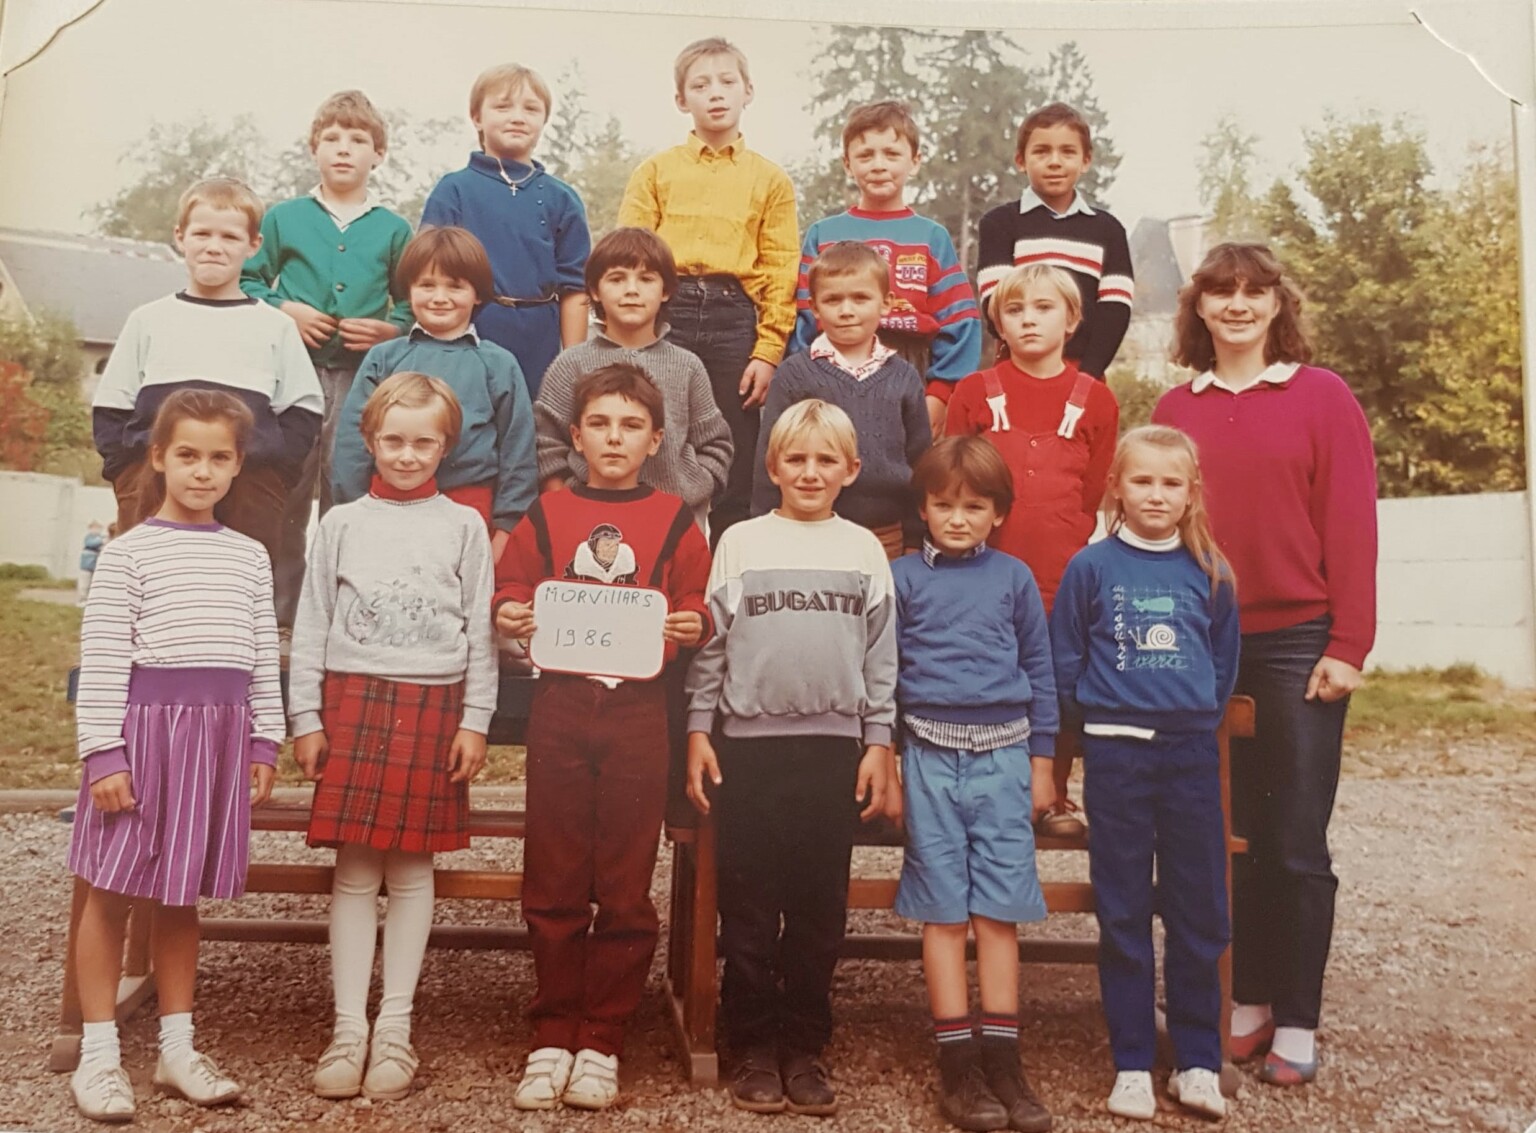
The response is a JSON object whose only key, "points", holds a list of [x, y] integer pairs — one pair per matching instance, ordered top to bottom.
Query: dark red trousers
{"points": [[597, 793]]}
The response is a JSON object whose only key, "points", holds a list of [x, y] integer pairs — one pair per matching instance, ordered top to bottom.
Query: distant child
{"points": [[728, 214], [532, 224], [1054, 224], [325, 261], [630, 275], [933, 321], [212, 335], [847, 365], [1055, 427], [491, 466], [90, 550], [1145, 633], [391, 688], [791, 710], [979, 716], [179, 717], [598, 749]]}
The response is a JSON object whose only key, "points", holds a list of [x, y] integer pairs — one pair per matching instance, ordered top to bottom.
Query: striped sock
{"points": [[995, 1026], [956, 1030]]}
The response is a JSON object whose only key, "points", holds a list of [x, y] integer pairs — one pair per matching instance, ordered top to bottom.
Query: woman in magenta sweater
{"points": [[1290, 478]]}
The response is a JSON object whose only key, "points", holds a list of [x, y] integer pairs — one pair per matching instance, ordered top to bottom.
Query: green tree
{"points": [[595, 160], [1226, 191], [47, 427]]}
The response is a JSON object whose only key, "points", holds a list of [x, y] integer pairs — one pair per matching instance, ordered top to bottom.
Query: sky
{"points": [[69, 113]]}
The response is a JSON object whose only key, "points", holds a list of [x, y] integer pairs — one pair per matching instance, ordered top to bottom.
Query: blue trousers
{"points": [[1283, 786], [1158, 801]]}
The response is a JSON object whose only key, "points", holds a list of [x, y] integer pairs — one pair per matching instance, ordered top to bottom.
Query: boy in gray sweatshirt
{"points": [[790, 711]]}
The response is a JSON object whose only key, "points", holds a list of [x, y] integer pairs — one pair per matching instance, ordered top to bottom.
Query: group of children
{"points": [[435, 385]]}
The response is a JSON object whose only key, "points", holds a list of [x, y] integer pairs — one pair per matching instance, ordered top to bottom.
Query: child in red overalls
{"points": [[1055, 428]]}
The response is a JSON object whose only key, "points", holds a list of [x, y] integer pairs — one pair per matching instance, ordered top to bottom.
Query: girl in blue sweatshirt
{"points": [[1145, 637]]}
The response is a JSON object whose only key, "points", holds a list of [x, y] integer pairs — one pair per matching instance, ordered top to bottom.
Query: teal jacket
{"points": [[306, 258], [496, 440]]}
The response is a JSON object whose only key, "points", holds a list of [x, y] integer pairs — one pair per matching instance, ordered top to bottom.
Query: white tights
{"points": [[354, 928]]}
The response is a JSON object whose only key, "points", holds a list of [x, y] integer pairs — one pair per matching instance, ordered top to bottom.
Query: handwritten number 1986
{"points": [[567, 637]]}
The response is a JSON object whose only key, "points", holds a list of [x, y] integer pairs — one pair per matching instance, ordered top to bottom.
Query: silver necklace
{"points": [[521, 181]]}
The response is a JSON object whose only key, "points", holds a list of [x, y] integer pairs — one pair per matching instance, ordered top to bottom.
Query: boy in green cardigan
{"points": [[326, 260]]}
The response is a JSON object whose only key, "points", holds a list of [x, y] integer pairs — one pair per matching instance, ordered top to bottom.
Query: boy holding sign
{"points": [[597, 746]]}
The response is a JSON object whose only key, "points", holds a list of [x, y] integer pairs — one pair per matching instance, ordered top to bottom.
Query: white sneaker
{"points": [[391, 1067], [339, 1073], [545, 1077], [195, 1078], [594, 1080], [1199, 1090], [102, 1093], [1132, 1096]]}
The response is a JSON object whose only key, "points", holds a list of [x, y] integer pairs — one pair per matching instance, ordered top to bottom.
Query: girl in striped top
{"points": [[179, 708]]}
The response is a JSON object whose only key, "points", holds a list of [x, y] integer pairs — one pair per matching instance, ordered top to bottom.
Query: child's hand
{"points": [[315, 327], [361, 334], [754, 383], [937, 411], [499, 544], [515, 619], [684, 627], [1332, 680], [309, 753], [467, 755], [701, 761], [262, 775], [874, 781], [1042, 786], [113, 793], [893, 800]]}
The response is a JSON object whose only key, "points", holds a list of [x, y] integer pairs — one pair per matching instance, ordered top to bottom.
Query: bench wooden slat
{"points": [[475, 884]]}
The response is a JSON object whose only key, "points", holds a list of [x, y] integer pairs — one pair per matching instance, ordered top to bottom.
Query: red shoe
{"points": [[1247, 1047], [1279, 1071]]}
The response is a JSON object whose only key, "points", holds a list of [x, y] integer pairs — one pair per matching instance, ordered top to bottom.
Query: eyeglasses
{"points": [[423, 448]]}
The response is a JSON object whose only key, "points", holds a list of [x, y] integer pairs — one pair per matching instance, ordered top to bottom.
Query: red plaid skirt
{"points": [[385, 780]]}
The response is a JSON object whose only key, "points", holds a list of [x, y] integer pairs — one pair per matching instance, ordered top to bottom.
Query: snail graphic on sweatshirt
{"points": [[400, 613], [1145, 633]]}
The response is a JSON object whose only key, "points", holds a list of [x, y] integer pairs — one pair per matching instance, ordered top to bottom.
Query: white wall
{"points": [[1454, 581], [1454, 584]]}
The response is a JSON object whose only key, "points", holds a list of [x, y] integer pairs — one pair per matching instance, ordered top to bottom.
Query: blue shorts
{"points": [[970, 844]]}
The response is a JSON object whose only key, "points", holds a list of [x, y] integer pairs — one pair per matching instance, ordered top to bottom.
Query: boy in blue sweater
{"points": [[848, 366], [979, 719]]}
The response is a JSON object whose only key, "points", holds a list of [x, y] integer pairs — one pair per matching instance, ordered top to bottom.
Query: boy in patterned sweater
{"points": [[1054, 224], [933, 322], [598, 748]]}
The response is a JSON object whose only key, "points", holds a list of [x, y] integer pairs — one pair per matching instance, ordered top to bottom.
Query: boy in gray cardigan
{"points": [[630, 276]]}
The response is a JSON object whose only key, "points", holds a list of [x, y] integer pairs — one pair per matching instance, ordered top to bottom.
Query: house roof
{"points": [[1157, 269], [95, 280]]}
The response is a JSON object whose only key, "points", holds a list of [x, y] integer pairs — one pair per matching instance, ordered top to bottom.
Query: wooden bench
{"points": [[692, 977]]}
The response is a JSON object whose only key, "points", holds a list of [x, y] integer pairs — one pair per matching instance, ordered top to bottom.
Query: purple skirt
{"points": [[188, 739]]}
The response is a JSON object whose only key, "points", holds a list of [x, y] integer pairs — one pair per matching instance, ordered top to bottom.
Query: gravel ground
{"points": [[1429, 1012]]}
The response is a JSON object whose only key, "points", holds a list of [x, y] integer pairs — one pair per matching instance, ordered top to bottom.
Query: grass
{"points": [[1453, 721]]}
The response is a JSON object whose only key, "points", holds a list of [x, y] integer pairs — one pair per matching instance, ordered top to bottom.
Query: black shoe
{"points": [[1005, 1074], [805, 1081], [756, 1085], [965, 1099]]}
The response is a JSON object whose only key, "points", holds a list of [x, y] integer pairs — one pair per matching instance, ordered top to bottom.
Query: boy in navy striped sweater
{"points": [[1054, 224], [979, 718]]}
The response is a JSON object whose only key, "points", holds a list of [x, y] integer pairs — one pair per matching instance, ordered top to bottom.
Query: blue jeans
{"points": [[713, 317], [1283, 786], [1147, 800]]}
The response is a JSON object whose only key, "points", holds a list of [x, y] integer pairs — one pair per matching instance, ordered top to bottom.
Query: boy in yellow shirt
{"points": [[728, 214]]}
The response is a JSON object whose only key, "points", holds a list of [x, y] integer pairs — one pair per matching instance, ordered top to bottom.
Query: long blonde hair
{"points": [[1195, 523]]}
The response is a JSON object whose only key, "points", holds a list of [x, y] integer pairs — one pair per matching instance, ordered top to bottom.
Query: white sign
{"points": [[598, 630]]}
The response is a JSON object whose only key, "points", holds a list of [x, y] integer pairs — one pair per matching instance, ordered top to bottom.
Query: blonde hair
{"points": [[703, 49], [507, 76], [351, 110], [221, 193], [1013, 287], [413, 391], [813, 416], [1195, 523]]}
